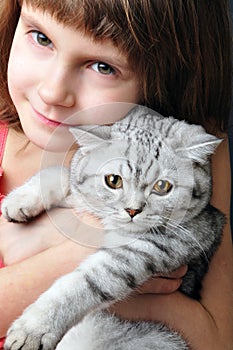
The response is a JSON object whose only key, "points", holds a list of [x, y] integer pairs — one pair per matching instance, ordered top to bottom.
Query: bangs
{"points": [[101, 19]]}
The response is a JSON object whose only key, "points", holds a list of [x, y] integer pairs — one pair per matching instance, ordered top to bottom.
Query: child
{"points": [[171, 55]]}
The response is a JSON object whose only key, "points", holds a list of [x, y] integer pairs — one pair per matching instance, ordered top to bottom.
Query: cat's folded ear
{"points": [[89, 137], [197, 144]]}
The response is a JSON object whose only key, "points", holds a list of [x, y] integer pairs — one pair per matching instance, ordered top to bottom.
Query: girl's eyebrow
{"points": [[30, 21]]}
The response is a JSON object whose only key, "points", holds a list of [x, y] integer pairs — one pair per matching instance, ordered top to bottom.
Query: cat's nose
{"points": [[133, 212]]}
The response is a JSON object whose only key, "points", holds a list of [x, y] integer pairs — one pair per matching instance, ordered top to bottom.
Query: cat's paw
{"points": [[19, 206], [31, 333], [19, 339]]}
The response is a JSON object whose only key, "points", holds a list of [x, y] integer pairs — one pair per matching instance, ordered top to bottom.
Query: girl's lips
{"points": [[47, 121]]}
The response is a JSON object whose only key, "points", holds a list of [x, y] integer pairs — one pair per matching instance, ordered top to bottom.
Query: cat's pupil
{"points": [[114, 181], [162, 184], [162, 187]]}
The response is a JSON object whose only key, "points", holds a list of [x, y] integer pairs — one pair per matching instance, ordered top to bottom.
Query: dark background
{"points": [[231, 141]]}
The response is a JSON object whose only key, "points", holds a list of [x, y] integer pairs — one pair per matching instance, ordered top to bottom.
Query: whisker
{"points": [[171, 225]]}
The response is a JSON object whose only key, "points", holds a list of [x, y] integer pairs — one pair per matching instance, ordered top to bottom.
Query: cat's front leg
{"points": [[44, 190], [98, 282], [43, 323], [35, 329]]}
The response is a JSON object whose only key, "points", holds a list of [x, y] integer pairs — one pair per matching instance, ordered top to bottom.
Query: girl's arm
{"points": [[23, 282], [207, 324]]}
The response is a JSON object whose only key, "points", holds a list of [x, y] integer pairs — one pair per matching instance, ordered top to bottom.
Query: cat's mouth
{"points": [[128, 223], [132, 226]]}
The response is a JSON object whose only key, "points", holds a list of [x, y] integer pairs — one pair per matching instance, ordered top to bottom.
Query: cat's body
{"points": [[148, 179]]}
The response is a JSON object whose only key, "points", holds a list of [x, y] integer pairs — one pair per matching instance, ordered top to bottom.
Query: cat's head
{"points": [[143, 171]]}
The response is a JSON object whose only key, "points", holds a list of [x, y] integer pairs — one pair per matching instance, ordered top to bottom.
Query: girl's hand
{"points": [[19, 241], [164, 284], [207, 324]]}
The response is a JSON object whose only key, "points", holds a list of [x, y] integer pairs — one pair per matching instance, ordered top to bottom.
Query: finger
{"points": [[89, 219], [178, 273], [158, 285]]}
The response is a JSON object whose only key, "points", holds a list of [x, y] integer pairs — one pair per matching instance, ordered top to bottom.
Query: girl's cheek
{"points": [[21, 63], [17, 64], [16, 68], [22, 70], [16, 76]]}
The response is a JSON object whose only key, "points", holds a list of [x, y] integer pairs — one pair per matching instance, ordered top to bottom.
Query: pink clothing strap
{"points": [[3, 136], [2, 343]]}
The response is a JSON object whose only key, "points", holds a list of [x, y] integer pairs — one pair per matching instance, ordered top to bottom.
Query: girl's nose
{"points": [[56, 90]]}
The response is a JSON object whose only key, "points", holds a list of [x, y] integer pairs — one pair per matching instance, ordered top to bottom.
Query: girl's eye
{"points": [[41, 39], [103, 68], [114, 181], [162, 187]]}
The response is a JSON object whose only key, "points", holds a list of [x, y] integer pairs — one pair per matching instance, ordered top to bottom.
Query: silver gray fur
{"points": [[176, 228]]}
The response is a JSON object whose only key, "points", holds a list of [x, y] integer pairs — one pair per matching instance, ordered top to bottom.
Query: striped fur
{"points": [[147, 231]]}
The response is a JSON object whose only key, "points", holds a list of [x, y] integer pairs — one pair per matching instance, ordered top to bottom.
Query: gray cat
{"points": [[148, 179]]}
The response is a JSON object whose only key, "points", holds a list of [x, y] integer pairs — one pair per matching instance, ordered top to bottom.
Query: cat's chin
{"points": [[125, 228]]}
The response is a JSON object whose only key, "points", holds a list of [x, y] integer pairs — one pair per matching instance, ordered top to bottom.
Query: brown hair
{"points": [[180, 49]]}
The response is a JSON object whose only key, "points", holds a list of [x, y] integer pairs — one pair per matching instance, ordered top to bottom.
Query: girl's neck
{"points": [[22, 159]]}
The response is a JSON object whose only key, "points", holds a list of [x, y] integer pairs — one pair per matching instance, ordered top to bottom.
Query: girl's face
{"points": [[55, 72]]}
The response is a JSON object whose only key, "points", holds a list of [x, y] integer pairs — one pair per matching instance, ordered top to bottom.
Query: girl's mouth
{"points": [[47, 121]]}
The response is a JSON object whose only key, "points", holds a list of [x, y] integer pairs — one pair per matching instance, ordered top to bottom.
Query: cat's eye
{"points": [[114, 181], [162, 187]]}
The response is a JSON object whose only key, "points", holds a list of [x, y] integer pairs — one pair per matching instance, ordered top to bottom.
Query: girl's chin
{"points": [[59, 140]]}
